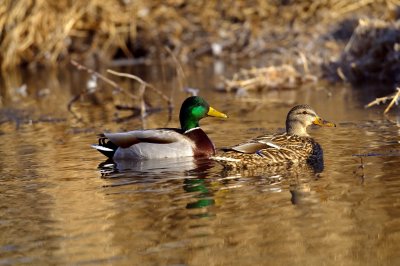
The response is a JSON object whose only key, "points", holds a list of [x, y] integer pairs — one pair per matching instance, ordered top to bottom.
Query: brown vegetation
{"points": [[45, 32], [298, 36], [273, 77]]}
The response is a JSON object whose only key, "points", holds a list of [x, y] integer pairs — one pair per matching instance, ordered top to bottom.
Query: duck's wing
{"points": [[156, 136], [256, 144], [250, 147], [294, 150]]}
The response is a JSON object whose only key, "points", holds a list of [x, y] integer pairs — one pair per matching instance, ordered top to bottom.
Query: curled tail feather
{"points": [[105, 146]]}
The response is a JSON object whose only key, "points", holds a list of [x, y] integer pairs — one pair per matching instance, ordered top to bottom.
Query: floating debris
{"points": [[267, 78], [22, 90], [21, 117]]}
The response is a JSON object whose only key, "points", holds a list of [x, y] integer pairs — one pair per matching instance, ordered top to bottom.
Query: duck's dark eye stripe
{"points": [[306, 113]]}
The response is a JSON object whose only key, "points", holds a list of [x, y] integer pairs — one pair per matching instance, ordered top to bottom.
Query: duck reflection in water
{"points": [[192, 171], [297, 178], [203, 179]]}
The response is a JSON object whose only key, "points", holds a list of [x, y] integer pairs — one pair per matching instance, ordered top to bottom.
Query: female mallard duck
{"points": [[189, 140], [294, 146]]}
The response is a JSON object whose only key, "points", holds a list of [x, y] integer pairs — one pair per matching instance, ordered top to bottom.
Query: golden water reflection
{"points": [[60, 205]]}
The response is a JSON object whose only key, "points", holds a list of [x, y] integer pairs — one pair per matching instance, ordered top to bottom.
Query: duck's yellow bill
{"points": [[215, 113], [323, 123]]}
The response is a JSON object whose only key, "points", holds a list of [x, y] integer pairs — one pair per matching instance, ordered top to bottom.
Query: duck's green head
{"points": [[195, 108]]}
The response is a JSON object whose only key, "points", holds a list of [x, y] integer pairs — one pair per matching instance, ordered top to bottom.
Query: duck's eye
{"points": [[304, 112]]}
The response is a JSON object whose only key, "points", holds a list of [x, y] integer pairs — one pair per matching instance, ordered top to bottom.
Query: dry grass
{"points": [[45, 32], [267, 78]]}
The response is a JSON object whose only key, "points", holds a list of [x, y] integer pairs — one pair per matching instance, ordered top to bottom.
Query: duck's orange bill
{"points": [[215, 113], [323, 123]]}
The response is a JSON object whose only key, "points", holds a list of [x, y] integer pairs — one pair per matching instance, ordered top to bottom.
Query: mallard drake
{"points": [[189, 140], [293, 146]]}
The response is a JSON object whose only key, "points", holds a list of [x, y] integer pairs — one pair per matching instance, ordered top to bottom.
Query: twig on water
{"points": [[103, 78], [141, 81], [142, 90], [89, 91], [140, 97], [382, 100], [71, 102], [361, 167]]}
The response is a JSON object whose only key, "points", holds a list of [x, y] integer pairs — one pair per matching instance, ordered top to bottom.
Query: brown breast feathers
{"points": [[203, 145]]}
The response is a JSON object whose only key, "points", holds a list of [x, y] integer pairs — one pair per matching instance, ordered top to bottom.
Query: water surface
{"points": [[58, 205]]}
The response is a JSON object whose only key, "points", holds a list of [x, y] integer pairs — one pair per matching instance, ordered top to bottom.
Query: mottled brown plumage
{"points": [[294, 146]]}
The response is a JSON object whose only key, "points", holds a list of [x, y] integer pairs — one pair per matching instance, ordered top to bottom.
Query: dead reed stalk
{"points": [[394, 99], [143, 110]]}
